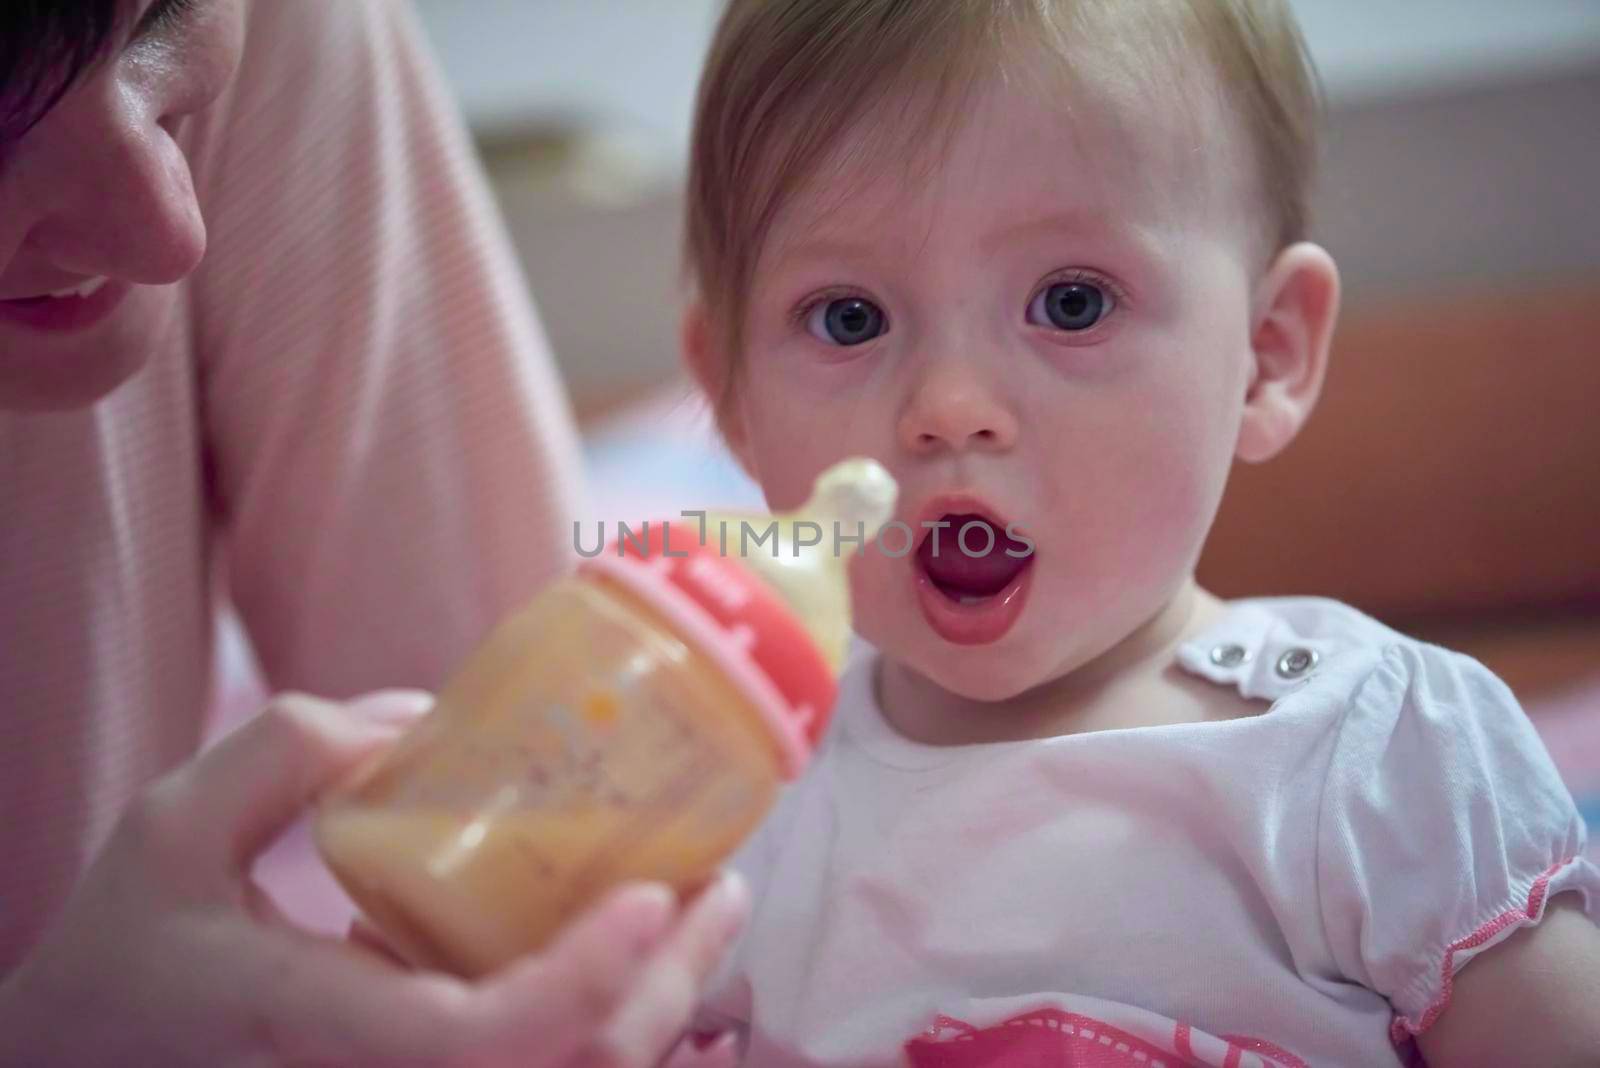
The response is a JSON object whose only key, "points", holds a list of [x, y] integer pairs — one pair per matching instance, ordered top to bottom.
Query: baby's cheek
{"points": [[789, 452], [1179, 464], [1176, 508], [1130, 526], [879, 587]]}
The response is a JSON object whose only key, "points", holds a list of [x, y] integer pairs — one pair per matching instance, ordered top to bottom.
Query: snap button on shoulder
{"points": [[1230, 655], [1296, 662]]}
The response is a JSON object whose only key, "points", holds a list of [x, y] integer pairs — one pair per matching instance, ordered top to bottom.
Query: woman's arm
{"points": [[392, 458], [1535, 999]]}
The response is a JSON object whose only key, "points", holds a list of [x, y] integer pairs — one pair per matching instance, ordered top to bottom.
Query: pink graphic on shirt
{"points": [[1054, 1038], [1269, 1053]]}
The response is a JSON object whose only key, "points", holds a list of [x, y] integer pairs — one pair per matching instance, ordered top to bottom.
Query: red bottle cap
{"points": [[738, 621]]}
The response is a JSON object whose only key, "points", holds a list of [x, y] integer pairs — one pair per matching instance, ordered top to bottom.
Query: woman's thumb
{"points": [[398, 708], [256, 781]]}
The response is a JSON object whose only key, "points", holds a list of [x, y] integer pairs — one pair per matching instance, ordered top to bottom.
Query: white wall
{"points": [[634, 62], [1486, 184]]}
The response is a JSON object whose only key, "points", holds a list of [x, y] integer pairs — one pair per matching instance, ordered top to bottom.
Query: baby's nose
{"points": [[953, 408]]}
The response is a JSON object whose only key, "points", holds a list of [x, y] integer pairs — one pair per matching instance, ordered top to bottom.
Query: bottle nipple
{"points": [[854, 492], [808, 563], [767, 597]]}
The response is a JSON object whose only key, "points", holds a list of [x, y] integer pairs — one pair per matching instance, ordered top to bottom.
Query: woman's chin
{"points": [[42, 370], [29, 383]]}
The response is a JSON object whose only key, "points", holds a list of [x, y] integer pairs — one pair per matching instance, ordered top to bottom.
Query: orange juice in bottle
{"points": [[635, 721]]}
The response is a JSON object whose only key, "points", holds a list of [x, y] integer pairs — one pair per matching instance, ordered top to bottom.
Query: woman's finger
{"points": [[251, 785], [364, 936], [329, 1002], [553, 1005], [659, 1006], [354, 1007]]}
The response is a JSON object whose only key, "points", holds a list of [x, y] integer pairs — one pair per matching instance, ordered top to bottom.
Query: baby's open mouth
{"points": [[972, 559]]}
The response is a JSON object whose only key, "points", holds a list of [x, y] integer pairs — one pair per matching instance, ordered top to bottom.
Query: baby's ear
{"points": [[1295, 306], [710, 368]]}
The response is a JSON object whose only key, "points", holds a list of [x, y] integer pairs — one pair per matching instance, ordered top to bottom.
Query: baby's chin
{"points": [[985, 673]]}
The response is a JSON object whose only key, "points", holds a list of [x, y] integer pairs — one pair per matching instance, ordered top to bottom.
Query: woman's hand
{"points": [[168, 953]]}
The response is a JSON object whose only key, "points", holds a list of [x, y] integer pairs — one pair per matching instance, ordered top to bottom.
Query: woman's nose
{"points": [[128, 209], [954, 406]]}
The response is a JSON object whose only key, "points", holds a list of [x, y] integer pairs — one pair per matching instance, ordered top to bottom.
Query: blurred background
{"points": [[1449, 483]]}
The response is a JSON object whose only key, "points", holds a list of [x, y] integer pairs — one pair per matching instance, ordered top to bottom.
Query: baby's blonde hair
{"points": [[787, 80]]}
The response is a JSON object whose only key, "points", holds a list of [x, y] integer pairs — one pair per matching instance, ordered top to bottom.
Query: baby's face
{"points": [[1050, 329]]}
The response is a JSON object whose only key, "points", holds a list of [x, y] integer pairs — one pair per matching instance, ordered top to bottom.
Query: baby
{"points": [[1046, 260]]}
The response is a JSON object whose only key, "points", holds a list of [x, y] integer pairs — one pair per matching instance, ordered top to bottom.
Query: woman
{"points": [[254, 305]]}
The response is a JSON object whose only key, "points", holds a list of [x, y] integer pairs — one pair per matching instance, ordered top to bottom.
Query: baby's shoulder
{"points": [[1331, 627], [1316, 649], [1366, 697], [1397, 709]]}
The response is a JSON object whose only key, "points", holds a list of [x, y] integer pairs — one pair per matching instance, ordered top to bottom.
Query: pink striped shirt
{"points": [[350, 399]]}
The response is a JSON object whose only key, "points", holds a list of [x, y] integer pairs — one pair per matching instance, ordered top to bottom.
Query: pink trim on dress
{"points": [[1402, 1028], [1265, 1050]]}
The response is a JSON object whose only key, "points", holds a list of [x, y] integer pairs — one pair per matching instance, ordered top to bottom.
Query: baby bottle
{"points": [[635, 721]]}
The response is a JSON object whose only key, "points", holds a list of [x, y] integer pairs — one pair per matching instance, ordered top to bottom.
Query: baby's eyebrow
{"points": [[1079, 224], [1084, 224], [828, 250]]}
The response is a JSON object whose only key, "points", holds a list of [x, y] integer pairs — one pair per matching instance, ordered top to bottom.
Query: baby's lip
{"points": [[955, 504]]}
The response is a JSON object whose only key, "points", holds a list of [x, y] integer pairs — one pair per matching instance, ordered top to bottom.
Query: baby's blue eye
{"points": [[1073, 306], [849, 321]]}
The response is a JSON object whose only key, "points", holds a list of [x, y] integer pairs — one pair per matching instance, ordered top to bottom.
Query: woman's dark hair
{"points": [[45, 45]]}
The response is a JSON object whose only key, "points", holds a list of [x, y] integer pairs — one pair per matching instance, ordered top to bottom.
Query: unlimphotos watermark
{"points": [[975, 538]]}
